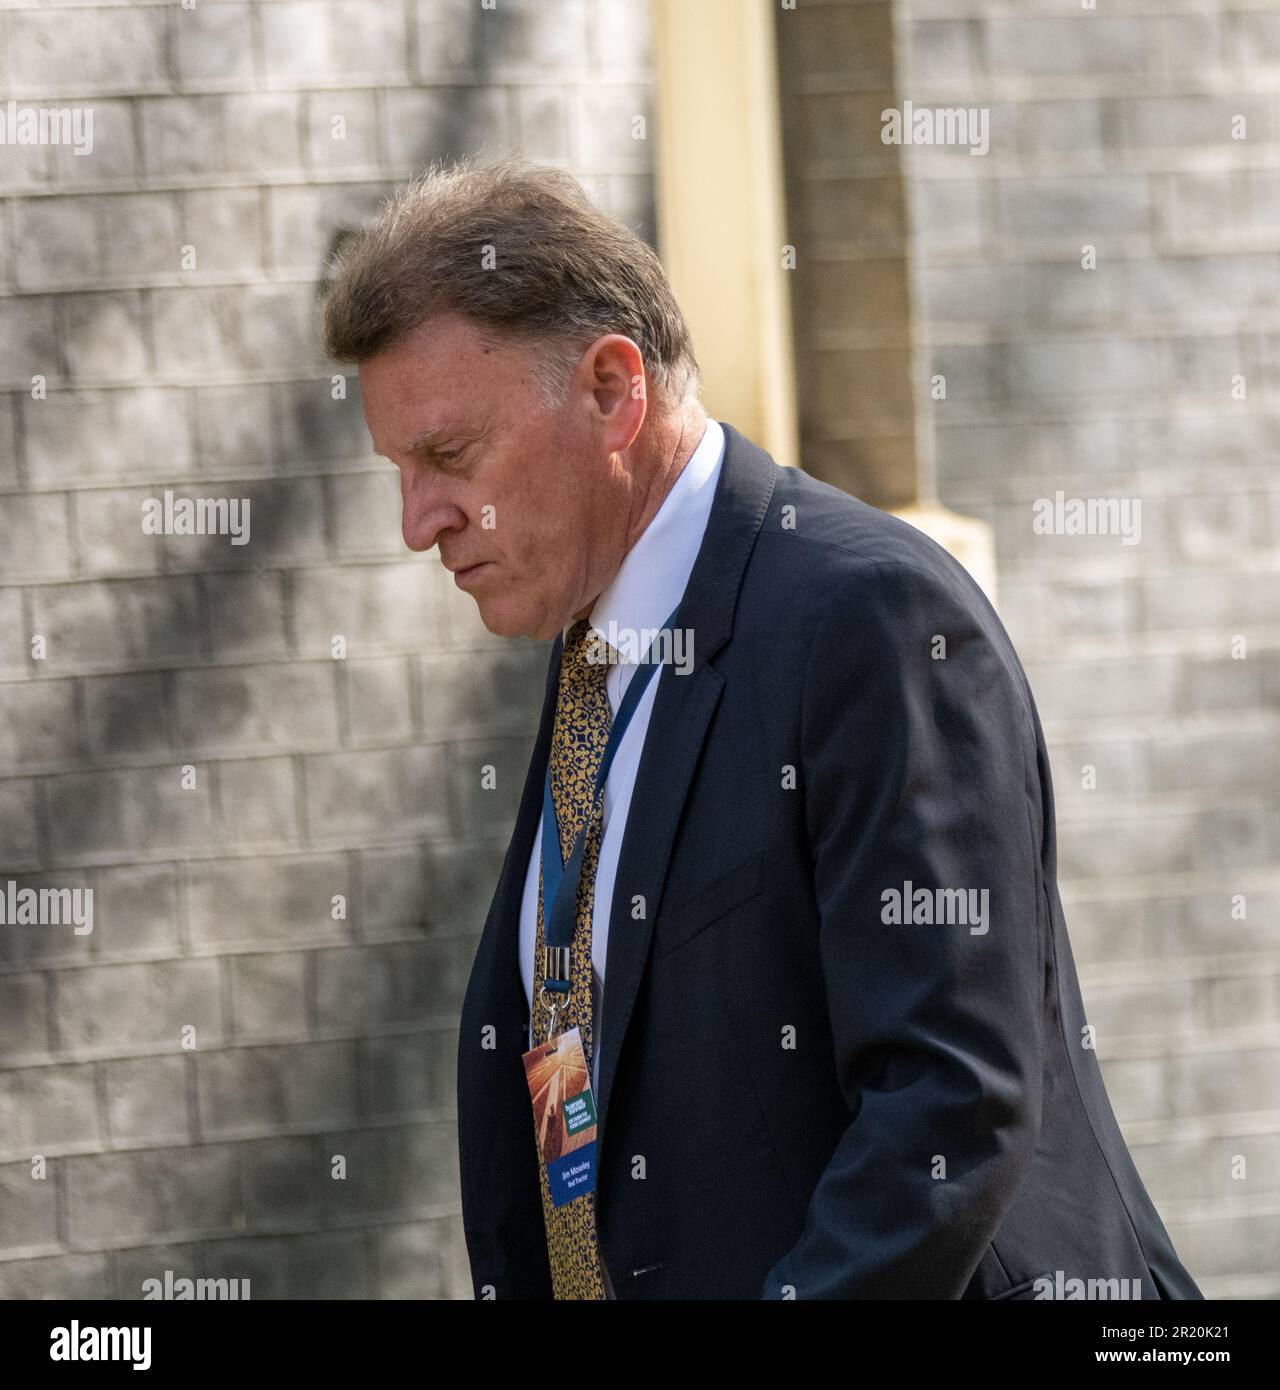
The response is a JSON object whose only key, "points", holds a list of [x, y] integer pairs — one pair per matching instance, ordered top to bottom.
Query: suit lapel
{"points": [[678, 724], [510, 890]]}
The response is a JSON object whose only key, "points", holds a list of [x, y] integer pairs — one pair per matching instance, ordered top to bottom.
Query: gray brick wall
{"points": [[1112, 128], [189, 1069]]}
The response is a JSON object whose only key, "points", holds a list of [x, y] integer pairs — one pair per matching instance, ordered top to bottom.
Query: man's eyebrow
{"points": [[426, 439], [419, 441]]}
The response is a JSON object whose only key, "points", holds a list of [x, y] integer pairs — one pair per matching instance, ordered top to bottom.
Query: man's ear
{"points": [[615, 370]]}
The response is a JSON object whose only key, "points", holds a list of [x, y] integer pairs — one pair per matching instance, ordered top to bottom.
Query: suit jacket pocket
{"points": [[693, 914], [1026, 1289]]}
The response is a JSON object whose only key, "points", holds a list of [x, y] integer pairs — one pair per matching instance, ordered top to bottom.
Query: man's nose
{"points": [[426, 512]]}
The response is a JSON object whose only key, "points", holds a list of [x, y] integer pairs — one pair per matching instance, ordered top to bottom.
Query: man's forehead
{"points": [[437, 360], [408, 395]]}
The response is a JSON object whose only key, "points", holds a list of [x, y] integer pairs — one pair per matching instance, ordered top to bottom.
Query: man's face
{"points": [[523, 502]]}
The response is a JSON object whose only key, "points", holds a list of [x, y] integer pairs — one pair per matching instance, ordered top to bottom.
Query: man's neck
{"points": [[676, 446]]}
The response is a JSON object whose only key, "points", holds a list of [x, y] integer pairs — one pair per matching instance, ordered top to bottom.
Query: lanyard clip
{"points": [[555, 966], [554, 994], [553, 1001]]}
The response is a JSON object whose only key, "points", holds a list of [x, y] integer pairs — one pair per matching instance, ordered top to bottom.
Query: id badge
{"points": [[564, 1113]]}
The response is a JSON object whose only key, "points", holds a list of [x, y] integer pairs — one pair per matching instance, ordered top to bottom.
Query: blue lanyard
{"points": [[560, 880]]}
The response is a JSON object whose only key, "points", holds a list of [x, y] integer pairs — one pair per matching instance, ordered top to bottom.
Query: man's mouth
{"points": [[463, 576]]}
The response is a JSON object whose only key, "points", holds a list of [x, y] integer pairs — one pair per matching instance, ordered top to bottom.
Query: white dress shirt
{"points": [[649, 584]]}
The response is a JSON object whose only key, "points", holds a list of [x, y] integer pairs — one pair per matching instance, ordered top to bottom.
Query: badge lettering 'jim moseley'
{"points": [[565, 1111]]}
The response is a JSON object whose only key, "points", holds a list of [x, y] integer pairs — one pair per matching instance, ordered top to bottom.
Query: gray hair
{"points": [[522, 251]]}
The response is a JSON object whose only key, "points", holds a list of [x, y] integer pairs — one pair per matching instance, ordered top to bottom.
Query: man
{"points": [[812, 948]]}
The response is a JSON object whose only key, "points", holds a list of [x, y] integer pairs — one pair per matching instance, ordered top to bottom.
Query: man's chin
{"points": [[502, 621]]}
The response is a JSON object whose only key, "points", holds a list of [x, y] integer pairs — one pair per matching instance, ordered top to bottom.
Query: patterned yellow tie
{"points": [[578, 741]]}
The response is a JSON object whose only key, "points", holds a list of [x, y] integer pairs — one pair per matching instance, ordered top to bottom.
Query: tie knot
{"points": [[586, 654]]}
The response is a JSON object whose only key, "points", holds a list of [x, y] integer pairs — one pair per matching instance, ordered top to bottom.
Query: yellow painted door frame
{"points": [[721, 208]]}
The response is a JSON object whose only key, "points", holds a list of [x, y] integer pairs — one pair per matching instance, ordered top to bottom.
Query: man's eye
{"points": [[447, 455]]}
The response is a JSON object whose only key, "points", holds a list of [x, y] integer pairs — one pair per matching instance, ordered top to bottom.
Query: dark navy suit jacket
{"points": [[798, 1098]]}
